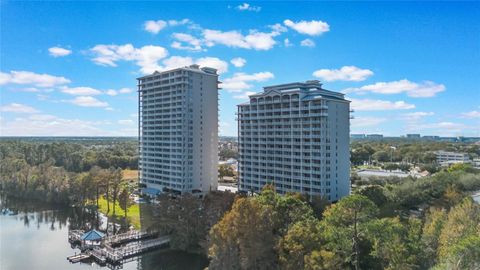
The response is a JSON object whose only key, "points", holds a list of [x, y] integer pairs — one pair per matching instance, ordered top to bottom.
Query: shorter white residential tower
{"points": [[296, 137]]}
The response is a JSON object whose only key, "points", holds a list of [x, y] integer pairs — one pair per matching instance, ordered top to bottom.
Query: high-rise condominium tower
{"points": [[178, 130], [295, 136]]}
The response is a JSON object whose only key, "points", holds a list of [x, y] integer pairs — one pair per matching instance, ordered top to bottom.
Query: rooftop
{"points": [[194, 68], [310, 90], [92, 235]]}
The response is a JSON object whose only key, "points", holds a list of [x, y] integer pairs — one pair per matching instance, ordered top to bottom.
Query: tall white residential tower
{"points": [[178, 130], [295, 136]]}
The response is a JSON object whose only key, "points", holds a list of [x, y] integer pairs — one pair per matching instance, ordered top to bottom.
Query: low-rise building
{"points": [[375, 136], [445, 158], [476, 163]]}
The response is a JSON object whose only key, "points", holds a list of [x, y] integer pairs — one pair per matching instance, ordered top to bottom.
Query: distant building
{"points": [[178, 130], [295, 136], [357, 136], [374, 136], [413, 136], [431, 138], [445, 158], [476, 163]]}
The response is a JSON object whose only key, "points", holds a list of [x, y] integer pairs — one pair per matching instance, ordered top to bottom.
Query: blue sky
{"points": [[69, 68]]}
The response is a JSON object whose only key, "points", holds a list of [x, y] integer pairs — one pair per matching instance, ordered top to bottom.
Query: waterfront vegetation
{"points": [[78, 173], [132, 214], [388, 223], [428, 223]]}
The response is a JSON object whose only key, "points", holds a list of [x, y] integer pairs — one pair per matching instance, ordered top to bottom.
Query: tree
{"points": [[381, 156], [225, 170], [96, 175], [117, 181], [375, 193], [124, 199], [319, 204], [462, 222], [434, 223], [344, 226], [243, 239], [301, 240], [396, 245], [465, 254], [322, 260]]}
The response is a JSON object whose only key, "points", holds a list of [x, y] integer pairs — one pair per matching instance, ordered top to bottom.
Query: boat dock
{"points": [[116, 248]]}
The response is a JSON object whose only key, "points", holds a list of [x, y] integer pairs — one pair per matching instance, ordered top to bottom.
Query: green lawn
{"points": [[133, 213]]}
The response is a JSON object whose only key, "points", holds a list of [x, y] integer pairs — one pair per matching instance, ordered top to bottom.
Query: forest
{"points": [[67, 172], [413, 223], [427, 223]]}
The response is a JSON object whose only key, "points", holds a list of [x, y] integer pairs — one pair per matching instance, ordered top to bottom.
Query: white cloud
{"points": [[248, 7], [180, 22], [156, 26], [278, 28], [312, 28], [254, 40], [287, 43], [307, 43], [194, 44], [59, 52], [146, 57], [180, 61], [176, 62], [213, 62], [238, 62], [345, 73], [31, 78], [240, 81], [412, 89], [28, 90], [80, 91], [125, 91], [111, 92], [244, 95], [42, 97], [88, 101], [379, 105], [18, 108], [472, 114], [416, 116], [42, 117], [366, 121], [125, 122], [50, 125], [445, 125], [447, 128]]}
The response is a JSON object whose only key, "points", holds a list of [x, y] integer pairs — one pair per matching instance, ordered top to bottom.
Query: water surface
{"points": [[38, 239]]}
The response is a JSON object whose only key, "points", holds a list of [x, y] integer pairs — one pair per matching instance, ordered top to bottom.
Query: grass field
{"points": [[133, 212]]}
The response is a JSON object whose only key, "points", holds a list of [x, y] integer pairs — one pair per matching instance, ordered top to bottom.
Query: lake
{"points": [[38, 239]]}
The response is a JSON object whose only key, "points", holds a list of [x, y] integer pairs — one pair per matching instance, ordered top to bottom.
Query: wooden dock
{"points": [[74, 236], [115, 249], [78, 257]]}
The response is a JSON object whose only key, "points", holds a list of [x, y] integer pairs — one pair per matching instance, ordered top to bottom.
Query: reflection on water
{"points": [[37, 238]]}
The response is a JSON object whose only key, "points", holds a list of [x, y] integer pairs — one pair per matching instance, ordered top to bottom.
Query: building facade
{"points": [[178, 130], [295, 136], [445, 158]]}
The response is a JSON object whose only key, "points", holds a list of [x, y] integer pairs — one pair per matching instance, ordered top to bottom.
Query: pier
{"points": [[116, 248]]}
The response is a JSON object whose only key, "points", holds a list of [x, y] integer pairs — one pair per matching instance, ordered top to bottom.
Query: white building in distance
{"points": [[178, 130], [295, 136], [445, 158]]}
